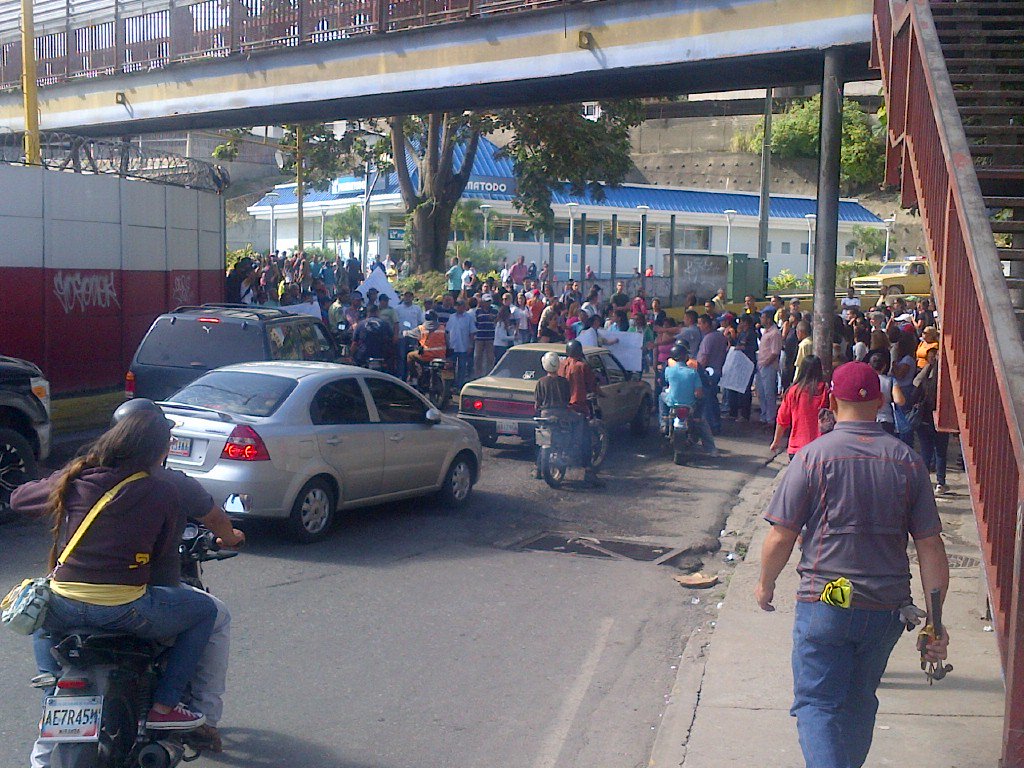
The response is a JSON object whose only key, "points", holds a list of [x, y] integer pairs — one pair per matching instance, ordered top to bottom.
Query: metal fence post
{"points": [[583, 247], [615, 249], [671, 259]]}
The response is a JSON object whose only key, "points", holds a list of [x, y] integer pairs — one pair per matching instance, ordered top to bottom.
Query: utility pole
{"points": [[28, 84], [766, 169], [300, 191], [827, 217]]}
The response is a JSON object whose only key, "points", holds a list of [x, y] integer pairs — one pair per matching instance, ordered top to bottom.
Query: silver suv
{"points": [[300, 441]]}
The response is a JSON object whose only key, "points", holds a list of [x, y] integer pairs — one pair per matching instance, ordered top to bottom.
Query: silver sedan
{"points": [[301, 440]]}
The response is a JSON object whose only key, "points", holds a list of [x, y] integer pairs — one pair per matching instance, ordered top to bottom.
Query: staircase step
{"points": [[989, 21], [983, 46], [985, 65], [964, 78], [981, 94], [1011, 109], [991, 130], [987, 150], [1001, 174], [1004, 202], [1007, 227], [1011, 254]]}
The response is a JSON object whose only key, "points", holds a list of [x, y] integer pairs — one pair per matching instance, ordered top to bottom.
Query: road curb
{"points": [[672, 738]]}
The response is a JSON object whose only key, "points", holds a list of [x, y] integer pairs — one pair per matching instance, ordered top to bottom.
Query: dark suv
{"points": [[184, 344], [24, 423]]}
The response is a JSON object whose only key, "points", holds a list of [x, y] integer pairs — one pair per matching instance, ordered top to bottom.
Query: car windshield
{"points": [[893, 269], [188, 342], [520, 364], [244, 394]]}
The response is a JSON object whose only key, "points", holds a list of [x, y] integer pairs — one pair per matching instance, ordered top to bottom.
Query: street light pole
{"points": [[300, 186], [272, 197], [486, 209], [729, 213], [811, 218], [323, 229], [888, 231], [572, 232]]}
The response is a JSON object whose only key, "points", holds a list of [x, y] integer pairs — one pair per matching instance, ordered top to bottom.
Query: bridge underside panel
{"points": [[639, 48]]}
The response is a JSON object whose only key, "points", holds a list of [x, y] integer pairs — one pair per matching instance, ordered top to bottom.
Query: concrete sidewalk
{"points": [[742, 681]]}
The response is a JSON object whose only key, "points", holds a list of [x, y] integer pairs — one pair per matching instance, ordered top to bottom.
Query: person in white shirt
{"points": [[468, 275], [851, 300], [308, 306], [410, 317], [591, 336]]}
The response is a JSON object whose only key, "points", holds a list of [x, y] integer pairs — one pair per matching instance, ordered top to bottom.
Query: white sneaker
{"points": [[940, 489]]}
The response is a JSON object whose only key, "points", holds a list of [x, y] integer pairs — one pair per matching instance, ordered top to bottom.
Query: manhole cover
{"points": [[594, 547]]}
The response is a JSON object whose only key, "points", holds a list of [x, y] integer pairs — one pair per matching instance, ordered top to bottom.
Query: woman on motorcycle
{"points": [[104, 582]]}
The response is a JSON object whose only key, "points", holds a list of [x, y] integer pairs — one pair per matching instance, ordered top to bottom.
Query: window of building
{"points": [[769, 246], [787, 248], [803, 248]]}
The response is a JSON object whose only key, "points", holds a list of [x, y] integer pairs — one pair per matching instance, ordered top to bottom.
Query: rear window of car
{"points": [[188, 342], [520, 364], [244, 394]]}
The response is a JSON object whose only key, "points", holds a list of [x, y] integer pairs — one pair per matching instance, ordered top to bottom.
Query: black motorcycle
{"points": [[434, 380], [679, 430], [558, 450], [96, 712]]}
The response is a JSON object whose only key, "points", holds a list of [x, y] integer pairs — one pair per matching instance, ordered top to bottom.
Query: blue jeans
{"points": [[463, 361], [712, 408], [163, 612], [839, 656]]}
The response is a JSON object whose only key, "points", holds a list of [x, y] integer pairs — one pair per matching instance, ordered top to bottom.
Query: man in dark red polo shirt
{"points": [[857, 493]]}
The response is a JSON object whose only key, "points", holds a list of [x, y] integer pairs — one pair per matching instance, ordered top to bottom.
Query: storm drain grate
{"points": [[588, 546], [955, 561]]}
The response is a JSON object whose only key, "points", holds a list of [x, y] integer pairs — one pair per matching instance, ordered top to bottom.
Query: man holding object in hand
{"points": [[856, 494]]}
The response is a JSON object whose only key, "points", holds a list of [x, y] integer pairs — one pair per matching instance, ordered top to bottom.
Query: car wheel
{"points": [[892, 290], [641, 419], [17, 463], [458, 482], [312, 512]]}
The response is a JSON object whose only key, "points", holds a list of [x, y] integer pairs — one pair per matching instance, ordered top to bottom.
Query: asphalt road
{"points": [[416, 636]]}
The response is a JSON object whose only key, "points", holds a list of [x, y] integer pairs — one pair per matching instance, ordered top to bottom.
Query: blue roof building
{"points": [[707, 221]]}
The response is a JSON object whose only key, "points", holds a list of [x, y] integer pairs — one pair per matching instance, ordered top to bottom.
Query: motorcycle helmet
{"points": [[430, 317], [574, 349], [679, 352], [550, 362], [136, 405]]}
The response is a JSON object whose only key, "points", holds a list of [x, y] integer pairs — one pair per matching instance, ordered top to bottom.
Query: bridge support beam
{"points": [[827, 237]]}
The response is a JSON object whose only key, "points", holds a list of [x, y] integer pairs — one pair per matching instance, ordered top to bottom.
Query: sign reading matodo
{"points": [[498, 185]]}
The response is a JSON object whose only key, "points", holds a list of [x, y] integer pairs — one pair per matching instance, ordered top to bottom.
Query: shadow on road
{"points": [[255, 748]]}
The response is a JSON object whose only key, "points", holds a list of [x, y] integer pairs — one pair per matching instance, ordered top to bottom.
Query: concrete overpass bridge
{"points": [[135, 66]]}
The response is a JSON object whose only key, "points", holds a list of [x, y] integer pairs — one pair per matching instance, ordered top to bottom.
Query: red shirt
{"points": [[581, 382], [799, 412]]}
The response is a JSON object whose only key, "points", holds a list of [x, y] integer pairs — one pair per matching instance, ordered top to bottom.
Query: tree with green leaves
{"points": [[795, 133]]}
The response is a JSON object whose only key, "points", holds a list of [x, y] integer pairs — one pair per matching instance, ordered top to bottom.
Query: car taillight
{"points": [[213, 320], [129, 385], [478, 405], [682, 413], [244, 444], [71, 684]]}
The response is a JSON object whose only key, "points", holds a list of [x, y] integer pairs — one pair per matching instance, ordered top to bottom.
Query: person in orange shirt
{"points": [[536, 307], [929, 340], [433, 343], [582, 383]]}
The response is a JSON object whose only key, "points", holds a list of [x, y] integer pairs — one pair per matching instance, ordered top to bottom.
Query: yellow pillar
{"points": [[28, 84], [299, 185]]}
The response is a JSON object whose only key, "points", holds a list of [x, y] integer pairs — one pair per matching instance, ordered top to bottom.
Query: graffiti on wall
{"points": [[85, 290], [183, 291]]}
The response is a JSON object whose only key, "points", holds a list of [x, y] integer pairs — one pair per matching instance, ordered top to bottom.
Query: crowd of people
{"points": [[480, 317]]}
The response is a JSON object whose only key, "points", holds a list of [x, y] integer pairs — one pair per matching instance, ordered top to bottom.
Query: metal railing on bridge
{"points": [[91, 38], [125, 158], [981, 391]]}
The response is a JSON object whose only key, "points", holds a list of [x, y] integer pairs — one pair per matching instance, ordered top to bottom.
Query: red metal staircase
{"points": [[953, 74]]}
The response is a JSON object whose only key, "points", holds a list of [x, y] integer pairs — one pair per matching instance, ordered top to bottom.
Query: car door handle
{"points": [[396, 438], [333, 441]]}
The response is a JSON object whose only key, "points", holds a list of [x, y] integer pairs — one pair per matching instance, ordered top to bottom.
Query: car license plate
{"points": [[507, 428], [181, 446], [71, 718]]}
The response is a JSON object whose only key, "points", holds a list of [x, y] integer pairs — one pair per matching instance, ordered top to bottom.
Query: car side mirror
{"points": [[629, 375], [432, 416]]}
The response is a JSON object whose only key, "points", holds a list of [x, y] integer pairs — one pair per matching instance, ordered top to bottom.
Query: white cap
{"points": [[486, 297]]}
